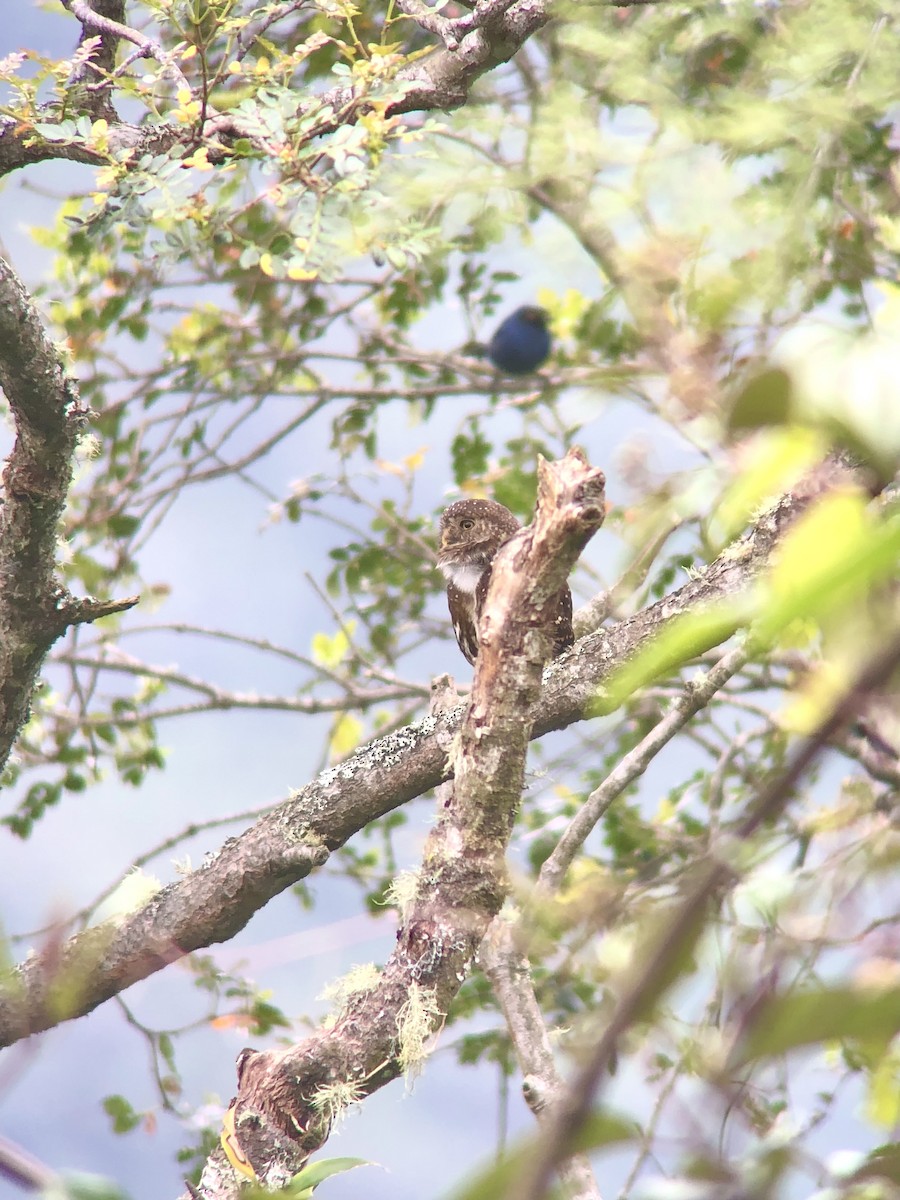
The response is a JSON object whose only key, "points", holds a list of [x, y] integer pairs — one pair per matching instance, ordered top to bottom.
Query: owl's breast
{"points": [[463, 576]]}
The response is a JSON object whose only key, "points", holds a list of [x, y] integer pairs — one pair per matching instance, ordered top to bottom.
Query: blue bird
{"points": [[521, 342]]}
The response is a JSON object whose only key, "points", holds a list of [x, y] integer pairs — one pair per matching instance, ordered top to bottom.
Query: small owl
{"points": [[472, 531]]}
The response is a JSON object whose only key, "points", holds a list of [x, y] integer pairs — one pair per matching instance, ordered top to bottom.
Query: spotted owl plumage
{"points": [[472, 531]]}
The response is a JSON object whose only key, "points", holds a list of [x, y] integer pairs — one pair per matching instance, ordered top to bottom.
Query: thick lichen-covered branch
{"points": [[34, 608], [461, 884]]}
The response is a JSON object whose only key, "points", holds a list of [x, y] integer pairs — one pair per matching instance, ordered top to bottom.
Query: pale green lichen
{"points": [[88, 446], [736, 551], [402, 892], [130, 895], [359, 979], [416, 1021], [332, 1100]]}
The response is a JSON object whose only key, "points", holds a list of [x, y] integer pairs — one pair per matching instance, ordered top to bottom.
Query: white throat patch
{"points": [[464, 576]]}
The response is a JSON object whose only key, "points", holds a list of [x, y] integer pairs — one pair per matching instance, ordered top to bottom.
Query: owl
{"points": [[472, 531]]}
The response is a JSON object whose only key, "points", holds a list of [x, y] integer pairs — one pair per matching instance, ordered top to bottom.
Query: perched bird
{"points": [[521, 342], [472, 531]]}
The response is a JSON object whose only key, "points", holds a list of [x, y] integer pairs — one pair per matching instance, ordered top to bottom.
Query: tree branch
{"points": [[102, 25], [482, 39], [34, 607], [695, 696], [216, 901], [510, 974], [381, 1031], [21, 1168]]}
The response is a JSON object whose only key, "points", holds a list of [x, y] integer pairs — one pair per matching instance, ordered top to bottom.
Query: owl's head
{"points": [[472, 531]]}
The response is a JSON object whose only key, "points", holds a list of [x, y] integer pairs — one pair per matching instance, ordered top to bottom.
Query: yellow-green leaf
{"points": [[766, 400], [769, 466], [831, 556], [688, 635], [331, 651], [345, 736], [827, 1014], [883, 1097], [312, 1175]]}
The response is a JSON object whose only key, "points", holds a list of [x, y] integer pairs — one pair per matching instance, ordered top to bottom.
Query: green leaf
{"points": [[56, 133], [765, 400], [470, 455], [769, 467], [121, 525], [830, 557], [686, 636], [332, 651], [346, 735], [828, 1014], [265, 1017], [167, 1050], [882, 1104], [124, 1117], [603, 1128], [882, 1163], [311, 1176], [496, 1180], [78, 1185]]}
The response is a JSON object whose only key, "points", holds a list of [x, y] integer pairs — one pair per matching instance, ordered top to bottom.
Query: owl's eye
{"points": [[467, 523]]}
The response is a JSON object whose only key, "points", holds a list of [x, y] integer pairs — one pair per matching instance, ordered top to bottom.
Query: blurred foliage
{"points": [[711, 195]]}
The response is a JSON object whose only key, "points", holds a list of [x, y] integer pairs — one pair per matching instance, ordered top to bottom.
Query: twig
{"points": [[147, 47], [696, 696], [510, 976], [20, 1168]]}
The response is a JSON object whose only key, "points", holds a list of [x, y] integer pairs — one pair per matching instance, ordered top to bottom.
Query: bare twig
{"points": [[147, 47], [695, 697], [510, 975], [20, 1168]]}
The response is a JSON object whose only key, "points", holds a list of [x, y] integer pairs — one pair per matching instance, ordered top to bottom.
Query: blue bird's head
{"points": [[521, 342]]}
